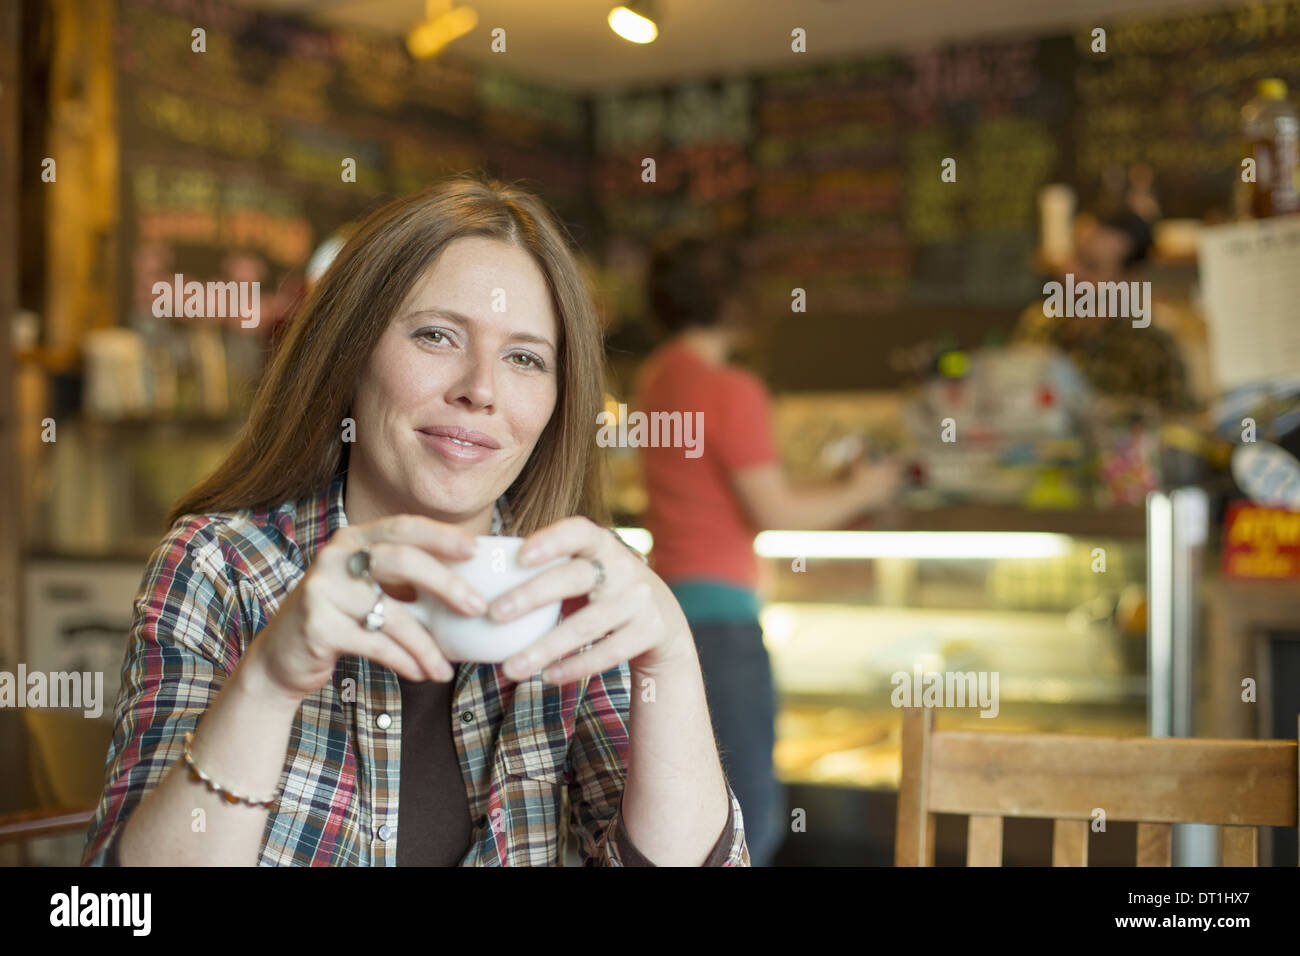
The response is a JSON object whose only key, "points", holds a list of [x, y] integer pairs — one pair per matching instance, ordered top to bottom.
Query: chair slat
{"points": [[915, 828], [984, 841], [1070, 843], [1155, 844], [1240, 846]]}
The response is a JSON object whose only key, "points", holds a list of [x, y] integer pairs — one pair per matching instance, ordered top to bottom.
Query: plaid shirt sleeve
{"points": [[183, 643], [598, 756]]}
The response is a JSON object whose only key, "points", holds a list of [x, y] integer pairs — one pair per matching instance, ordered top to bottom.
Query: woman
{"points": [[442, 381], [705, 508]]}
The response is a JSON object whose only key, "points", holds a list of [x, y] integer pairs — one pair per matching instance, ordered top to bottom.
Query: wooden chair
{"points": [[65, 774], [1238, 784], [52, 821]]}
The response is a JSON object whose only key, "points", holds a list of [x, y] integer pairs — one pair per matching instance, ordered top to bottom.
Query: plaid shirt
{"points": [[531, 753]]}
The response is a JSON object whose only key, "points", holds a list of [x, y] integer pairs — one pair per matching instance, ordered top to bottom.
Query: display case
{"points": [[1023, 621]]}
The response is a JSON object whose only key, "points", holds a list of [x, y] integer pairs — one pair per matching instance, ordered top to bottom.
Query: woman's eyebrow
{"points": [[460, 318]]}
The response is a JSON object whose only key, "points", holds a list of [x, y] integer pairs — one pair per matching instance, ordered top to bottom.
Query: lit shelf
{"points": [[1128, 521]]}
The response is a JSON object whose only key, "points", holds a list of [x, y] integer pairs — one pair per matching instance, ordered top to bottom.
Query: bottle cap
{"points": [[1271, 89]]}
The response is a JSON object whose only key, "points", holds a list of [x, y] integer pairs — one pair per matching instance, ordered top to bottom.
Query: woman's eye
{"points": [[430, 333], [530, 361]]}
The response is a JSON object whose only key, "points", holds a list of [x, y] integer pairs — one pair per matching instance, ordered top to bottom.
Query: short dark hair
{"points": [[1139, 234], [690, 280]]}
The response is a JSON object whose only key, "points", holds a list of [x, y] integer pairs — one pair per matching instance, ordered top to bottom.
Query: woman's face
{"points": [[458, 388]]}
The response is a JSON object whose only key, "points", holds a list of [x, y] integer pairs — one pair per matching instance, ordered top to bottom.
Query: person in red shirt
{"points": [[711, 492]]}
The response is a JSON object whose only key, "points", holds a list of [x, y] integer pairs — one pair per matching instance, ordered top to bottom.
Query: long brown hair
{"points": [[292, 444]]}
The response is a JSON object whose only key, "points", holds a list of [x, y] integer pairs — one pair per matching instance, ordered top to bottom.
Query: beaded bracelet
{"points": [[227, 795]]}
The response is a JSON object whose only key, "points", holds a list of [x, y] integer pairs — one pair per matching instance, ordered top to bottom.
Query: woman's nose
{"points": [[476, 380]]}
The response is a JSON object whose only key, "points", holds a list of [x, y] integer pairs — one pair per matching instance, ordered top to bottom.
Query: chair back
{"points": [[1240, 785]]}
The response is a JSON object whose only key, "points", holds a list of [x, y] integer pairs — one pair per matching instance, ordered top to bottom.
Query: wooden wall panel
{"points": [[81, 207], [11, 751]]}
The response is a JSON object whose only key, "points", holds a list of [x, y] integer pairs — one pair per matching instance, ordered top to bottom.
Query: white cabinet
{"points": [[77, 617]]}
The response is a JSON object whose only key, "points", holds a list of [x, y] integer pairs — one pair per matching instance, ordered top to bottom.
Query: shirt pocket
{"points": [[535, 752]]}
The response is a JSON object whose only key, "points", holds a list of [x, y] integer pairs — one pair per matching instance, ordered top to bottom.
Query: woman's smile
{"points": [[458, 444]]}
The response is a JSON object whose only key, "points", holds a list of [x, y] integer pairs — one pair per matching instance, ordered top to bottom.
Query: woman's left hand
{"points": [[630, 616]]}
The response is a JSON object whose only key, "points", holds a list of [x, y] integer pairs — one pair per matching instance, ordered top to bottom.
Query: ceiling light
{"points": [[634, 22], [441, 25]]}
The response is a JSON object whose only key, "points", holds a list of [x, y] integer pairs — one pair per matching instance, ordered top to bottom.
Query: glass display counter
{"points": [[1020, 630]]}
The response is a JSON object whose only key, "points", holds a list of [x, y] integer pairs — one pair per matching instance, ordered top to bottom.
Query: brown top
{"points": [[434, 828]]}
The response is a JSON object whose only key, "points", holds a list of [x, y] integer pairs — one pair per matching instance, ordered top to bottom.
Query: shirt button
{"points": [[467, 716], [383, 721], [482, 821], [385, 832]]}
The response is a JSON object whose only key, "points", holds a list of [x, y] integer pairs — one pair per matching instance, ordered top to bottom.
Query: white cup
{"points": [[492, 571]]}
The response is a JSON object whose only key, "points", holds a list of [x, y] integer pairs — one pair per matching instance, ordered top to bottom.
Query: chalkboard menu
{"points": [[1168, 92], [998, 112], [233, 157], [675, 161], [834, 172], [910, 179], [829, 199]]}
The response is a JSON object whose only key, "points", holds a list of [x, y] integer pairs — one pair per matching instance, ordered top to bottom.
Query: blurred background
{"points": [[1125, 567]]}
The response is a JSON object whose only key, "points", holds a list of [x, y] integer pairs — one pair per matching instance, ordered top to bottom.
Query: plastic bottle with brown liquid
{"points": [[1272, 138]]}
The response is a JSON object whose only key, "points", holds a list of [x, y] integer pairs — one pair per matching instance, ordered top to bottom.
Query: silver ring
{"points": [[359, 563], [600, 574]]}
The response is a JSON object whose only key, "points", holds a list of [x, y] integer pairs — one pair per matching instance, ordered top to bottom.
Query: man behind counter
{"points": [[1115, 357]]}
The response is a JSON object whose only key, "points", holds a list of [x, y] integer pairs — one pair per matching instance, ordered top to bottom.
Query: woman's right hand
{"points": [[321, 618]]}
